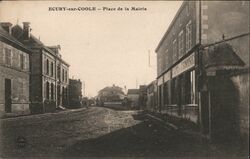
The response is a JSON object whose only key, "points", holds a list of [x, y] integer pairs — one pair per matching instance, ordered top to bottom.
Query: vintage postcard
{"points": [[124, 79]]}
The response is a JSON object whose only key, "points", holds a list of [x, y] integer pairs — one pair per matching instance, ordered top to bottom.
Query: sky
{"points": [[103, 47]]}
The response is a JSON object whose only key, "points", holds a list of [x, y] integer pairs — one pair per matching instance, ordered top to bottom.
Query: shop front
{"points": [[178, 92]]}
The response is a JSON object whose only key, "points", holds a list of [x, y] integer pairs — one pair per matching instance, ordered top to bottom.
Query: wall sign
{"points": [[184, 65], [167, 76], [160, 81]]}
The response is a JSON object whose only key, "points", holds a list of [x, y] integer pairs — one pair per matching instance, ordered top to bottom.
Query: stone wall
{"points": [[19, 81], [241, 83], [19, 91]]}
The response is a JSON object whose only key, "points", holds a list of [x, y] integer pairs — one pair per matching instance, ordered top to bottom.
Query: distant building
{"points": [[203, 67], [49, 72], [14, 74], [75, 93], [111, 95], [142, 96], [151, 96], [133, 98]]}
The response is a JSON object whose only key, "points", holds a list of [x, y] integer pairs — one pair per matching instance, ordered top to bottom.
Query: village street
{"points": [[97, 132]]}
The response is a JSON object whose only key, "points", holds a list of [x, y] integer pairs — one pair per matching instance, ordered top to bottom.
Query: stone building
{"points": [[203, 67], [49, 72], [14, 74], [75, 93], [111, 95], [142, 96], [151, 96], [133, 98]]}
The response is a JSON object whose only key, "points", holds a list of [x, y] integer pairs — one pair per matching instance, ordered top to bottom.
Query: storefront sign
{"points": [[184, 65], [167, 76], [160, 81]]}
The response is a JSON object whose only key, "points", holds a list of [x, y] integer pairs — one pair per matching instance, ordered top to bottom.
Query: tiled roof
{"points": [[18, 33], [4, 34], [222, 55], [133, 91]]}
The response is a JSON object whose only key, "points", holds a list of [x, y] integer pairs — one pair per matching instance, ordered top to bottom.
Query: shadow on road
{"points": [[147, 140]]}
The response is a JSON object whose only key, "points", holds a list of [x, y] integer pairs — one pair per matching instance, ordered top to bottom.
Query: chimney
{"points": [[6, 26], [26, 30]]}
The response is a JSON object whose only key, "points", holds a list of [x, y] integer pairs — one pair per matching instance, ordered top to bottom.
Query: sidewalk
{"points": [[66, 111], [175, 122], [188, 128]]}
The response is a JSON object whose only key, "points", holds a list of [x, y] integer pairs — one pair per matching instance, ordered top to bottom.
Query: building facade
{"points": [[203, 67], [49, 72], [14, 74], [75, 93], [110, 95], [151, 96], [142, 97], [133, 98]]}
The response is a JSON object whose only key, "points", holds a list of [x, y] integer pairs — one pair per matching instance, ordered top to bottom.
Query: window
{"points": [[188, 8], [188, 36], [181, 44], [7, 53], [175, 53], [167, 58], [22, 61], [159, 65], [47, 66], [52, 69], [58, 71], [63, 75], [66, 75], [192, 79], [190, 88], [47, 90], [52, 91], [173, 91], [166, 93], [66, 94], [160, 95]]}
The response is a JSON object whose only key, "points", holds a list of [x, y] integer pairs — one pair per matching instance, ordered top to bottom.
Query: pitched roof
{"points": [[18, 34], [11, 40], [222, 55], [112, 88], [133, 91]]}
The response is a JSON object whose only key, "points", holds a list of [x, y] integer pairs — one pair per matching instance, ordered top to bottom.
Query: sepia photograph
{"points": [[124, 79]]}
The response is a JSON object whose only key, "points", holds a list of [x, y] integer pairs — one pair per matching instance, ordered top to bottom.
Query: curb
{"points": [[41, 115], [164, 122], [174, 127]]}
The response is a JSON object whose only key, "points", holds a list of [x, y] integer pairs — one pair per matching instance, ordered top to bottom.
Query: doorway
{"points": [[7, 95], [58, 95], [205, 112], [224, 113]]}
